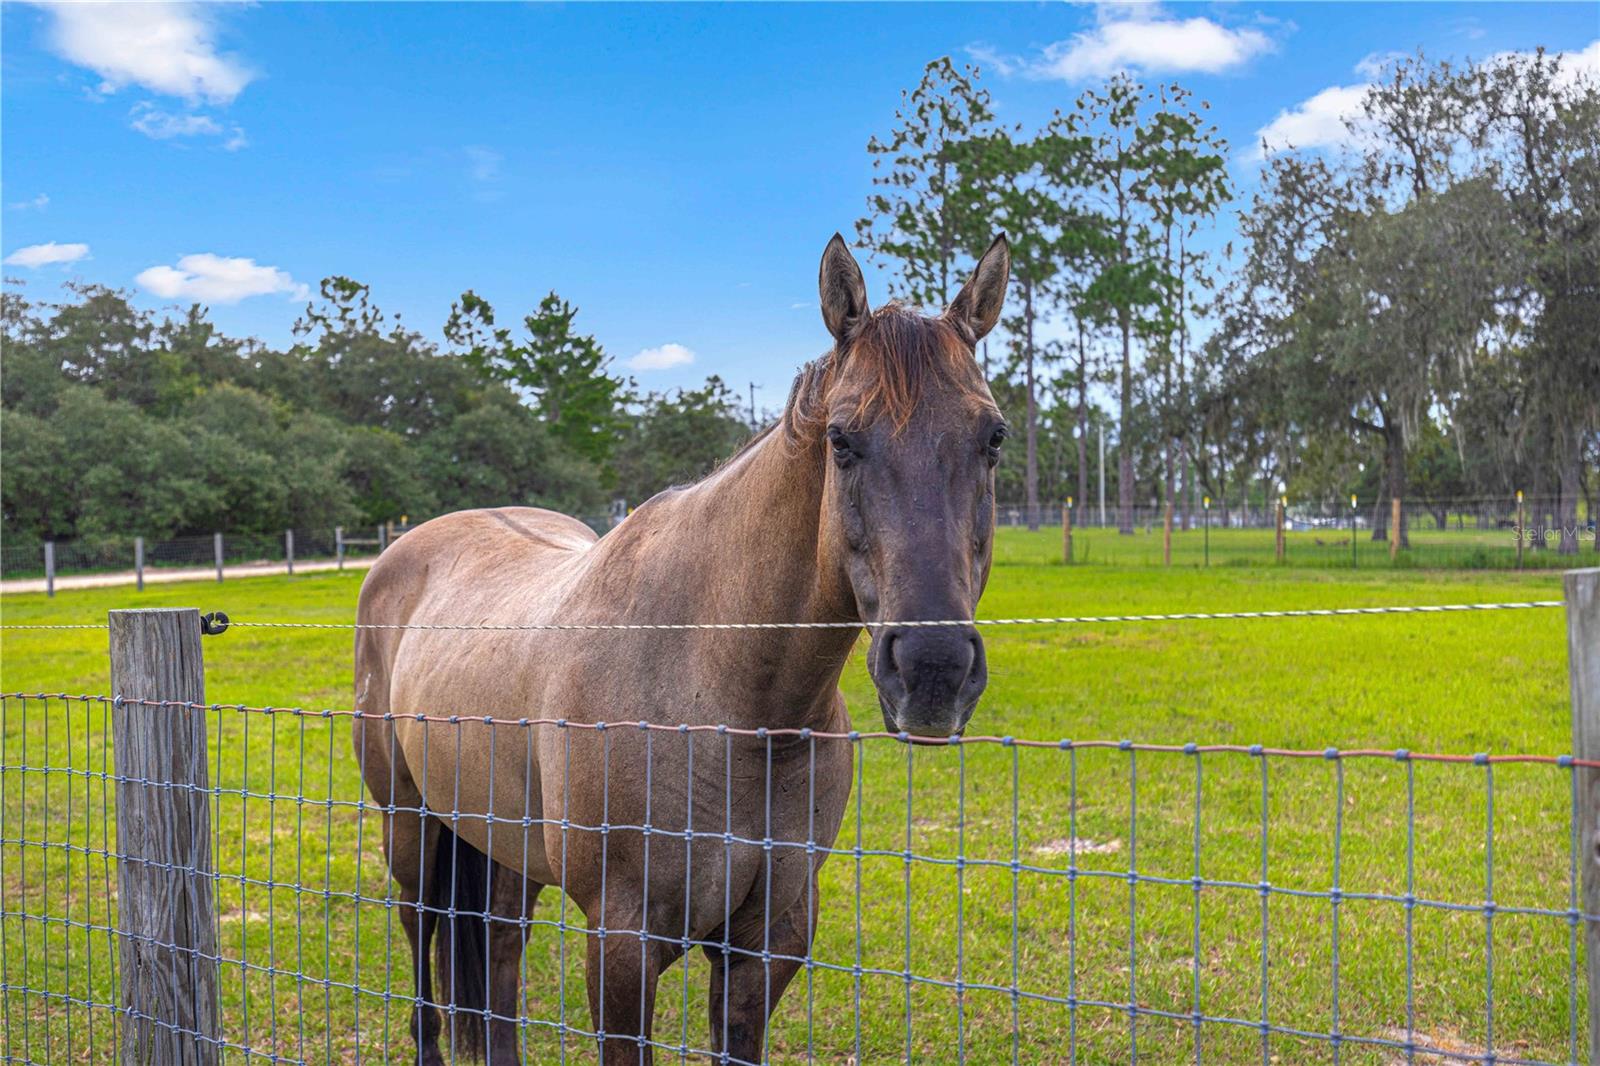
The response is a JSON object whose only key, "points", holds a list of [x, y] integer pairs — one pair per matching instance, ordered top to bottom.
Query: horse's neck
{"points": [[755, 526], [743, 546]]}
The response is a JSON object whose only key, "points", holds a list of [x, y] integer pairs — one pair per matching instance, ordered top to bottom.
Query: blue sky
{"points": [[673, 170]]}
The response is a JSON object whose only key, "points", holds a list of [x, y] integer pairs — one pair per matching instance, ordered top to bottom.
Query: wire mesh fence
{"points": [[984, 899]]}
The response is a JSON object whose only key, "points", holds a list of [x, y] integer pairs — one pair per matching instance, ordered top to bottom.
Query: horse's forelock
{"points": [[900, 354]]}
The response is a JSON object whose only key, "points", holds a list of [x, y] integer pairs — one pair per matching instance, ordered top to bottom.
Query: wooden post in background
{"points": [[1394, 528], [1522, 531], [1066, 532], [1166, 536], [1279, 536], [383, 539], [338, 544], [216, 548], [288, 550], [138, 563], [49, 568], [1583, 663], [166, 922]]}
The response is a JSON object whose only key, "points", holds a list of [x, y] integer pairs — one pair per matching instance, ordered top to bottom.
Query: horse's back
{"points": [[467, 568]]}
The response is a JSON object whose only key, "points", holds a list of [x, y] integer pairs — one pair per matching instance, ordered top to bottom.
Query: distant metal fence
{"points": [[1464, 533], [134, 556], [988, 898]]}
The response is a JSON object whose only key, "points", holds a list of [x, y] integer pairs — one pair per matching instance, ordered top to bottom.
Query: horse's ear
{"points": [[843, 291], [977, 307]]}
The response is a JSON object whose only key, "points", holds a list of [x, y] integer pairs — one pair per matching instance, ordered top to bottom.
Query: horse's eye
{"points": [[997, 438], [843, 450]]}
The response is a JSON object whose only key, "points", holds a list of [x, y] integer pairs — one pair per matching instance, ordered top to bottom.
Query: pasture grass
{"points": [[1494, 682]]}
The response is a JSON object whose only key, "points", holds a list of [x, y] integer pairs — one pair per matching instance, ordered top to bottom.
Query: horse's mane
{"points": [[903, 352]]}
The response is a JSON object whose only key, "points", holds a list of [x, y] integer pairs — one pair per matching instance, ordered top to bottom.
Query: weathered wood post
{"points": [[1394, 528], [1208, 530], [1066, 531], [1166, 536], [1278, 536], [383, 539], [338, 545], [216, 548], [288, 550], [138, 563], [49, 568], [1583, 663], [166, 923]]}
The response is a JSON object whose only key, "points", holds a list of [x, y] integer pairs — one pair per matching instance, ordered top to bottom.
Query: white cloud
{"points": [[1139, 37], [166, 47], [1574, 65], [1333, 117], [1323, 121], [162, 125], [37, 203], [38, 255], [217, 279], [663, 358]]}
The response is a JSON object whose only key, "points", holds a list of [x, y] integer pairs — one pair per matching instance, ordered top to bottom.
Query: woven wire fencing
{"points": [[985, 899]]}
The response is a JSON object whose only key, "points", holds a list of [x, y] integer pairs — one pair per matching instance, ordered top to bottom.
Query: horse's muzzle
{"points": [[929, 678]]}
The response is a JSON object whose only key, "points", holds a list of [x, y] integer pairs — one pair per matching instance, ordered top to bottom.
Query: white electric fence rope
{"points": [[1090, 619]]}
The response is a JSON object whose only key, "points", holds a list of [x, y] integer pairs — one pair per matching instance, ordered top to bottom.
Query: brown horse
{"points": [[871, 500]]}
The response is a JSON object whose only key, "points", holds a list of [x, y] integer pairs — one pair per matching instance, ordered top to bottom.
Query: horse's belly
{"points": [[483, 782]]}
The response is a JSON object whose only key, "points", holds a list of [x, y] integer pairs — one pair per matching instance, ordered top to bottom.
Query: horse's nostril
{"points": [[889, 641]]}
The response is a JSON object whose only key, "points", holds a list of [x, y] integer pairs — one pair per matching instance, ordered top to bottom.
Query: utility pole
{"points": [[753, 407]]}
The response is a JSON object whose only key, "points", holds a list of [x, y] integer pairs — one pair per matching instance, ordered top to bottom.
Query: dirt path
{"points": [[161, 575]]}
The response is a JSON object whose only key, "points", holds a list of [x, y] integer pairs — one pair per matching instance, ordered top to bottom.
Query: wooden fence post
{"points": [[1394, 528], [1066, 531], [1522, 531], [1166, 536], [1278, 537], [383, 539], [338, 545], [216, 548], [288, 550], [138, 563], [49, 568], [1583, 663], [166, 922]]}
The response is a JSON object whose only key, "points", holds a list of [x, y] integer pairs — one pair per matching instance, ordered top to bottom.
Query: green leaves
{"points": [[561, 372]]}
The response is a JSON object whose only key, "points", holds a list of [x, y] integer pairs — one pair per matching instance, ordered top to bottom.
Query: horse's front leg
{"points": [[623, 969], [745, 988]]}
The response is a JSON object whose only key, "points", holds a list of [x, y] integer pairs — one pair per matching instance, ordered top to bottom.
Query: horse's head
{"points": [[912, 438]]}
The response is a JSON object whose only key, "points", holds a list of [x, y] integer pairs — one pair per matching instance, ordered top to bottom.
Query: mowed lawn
{"points": [[1464, 683]]}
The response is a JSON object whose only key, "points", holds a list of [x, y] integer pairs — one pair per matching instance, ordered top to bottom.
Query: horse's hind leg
{"points": [[408, 839], [410, 862], [511, 900]]}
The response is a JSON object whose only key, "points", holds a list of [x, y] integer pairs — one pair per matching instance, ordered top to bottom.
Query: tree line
{"points": [[1415, 314], [117, 422]]}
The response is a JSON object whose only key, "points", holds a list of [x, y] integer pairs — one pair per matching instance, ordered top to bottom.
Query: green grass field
{"points": [[1494, 682]]}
